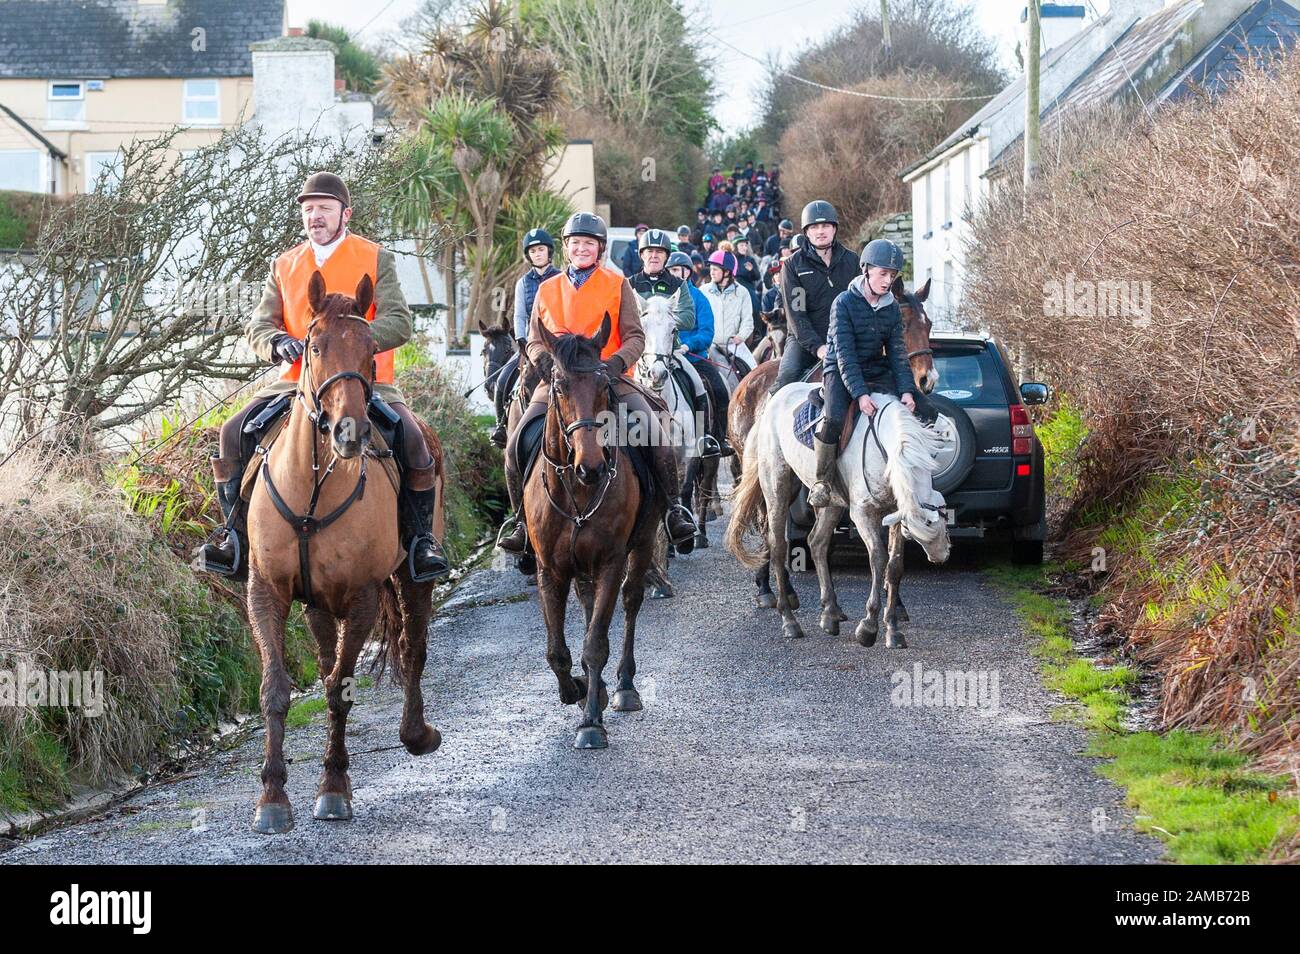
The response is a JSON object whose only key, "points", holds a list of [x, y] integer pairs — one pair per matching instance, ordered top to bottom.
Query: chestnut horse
{"points": [[751, 397], [582, 502], [322, 529]]}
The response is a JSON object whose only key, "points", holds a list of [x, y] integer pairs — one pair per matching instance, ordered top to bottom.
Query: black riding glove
{"points": [[286, 348], [615, 366]]}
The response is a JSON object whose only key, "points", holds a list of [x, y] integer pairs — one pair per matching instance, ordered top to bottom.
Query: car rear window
{"points": [[969, 377]]}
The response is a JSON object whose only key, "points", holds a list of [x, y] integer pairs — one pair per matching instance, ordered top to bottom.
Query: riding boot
{"points": [[720, 425], [498, 434], [706, 445], [820, 495], [680, 524], [513, 537], [226, 551], [425, 558]]}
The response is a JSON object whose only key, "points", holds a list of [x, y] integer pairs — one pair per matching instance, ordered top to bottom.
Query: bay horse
{"points": [[498, 349], [751, 397], [590, 527], [323, 530]]}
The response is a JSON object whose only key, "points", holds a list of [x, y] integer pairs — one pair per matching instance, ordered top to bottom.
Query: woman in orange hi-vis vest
{"points": [[575, 301], [276, 332]]}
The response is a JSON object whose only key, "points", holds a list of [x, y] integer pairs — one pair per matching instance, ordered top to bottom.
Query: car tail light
{"points": [[1021, 430], [1022, 470]]}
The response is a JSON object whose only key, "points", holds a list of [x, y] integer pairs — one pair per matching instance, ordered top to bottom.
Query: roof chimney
{"points": [[1059, 22], [294, 31]]}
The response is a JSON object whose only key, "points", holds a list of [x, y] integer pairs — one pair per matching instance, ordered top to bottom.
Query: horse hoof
{"points": [[701, 541], [659, 592], [766, 600], [843, 616], [830, 623], [791, 630], [866, 635], [895, 641], [603, 696], [626, 700], [591, 737], [427, 741], [332, 806], [273, 819]]}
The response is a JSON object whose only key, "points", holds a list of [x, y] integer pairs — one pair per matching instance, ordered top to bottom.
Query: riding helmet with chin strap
{"points": [[819, 210], [588, 224], [536, 237], [882, 253], [680, 259], [724, 260]]}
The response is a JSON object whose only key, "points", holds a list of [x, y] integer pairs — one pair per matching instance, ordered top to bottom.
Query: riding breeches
{"points": [[718, 395], [839, 401]]}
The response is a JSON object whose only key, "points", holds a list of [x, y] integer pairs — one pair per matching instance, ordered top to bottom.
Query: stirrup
{"points": [[498, 435], [707, 446], [695, 527], [508, 529], [204, 565], [432, 575]]}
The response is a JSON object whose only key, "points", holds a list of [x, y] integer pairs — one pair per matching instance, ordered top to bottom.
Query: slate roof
{"points": [[1262, 31], [100, 39]]}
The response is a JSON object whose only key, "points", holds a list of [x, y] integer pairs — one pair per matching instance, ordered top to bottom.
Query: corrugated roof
{"points": [[91, 39]]}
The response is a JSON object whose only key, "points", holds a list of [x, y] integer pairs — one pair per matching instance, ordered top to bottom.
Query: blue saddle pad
{"points": [[806, 417]]}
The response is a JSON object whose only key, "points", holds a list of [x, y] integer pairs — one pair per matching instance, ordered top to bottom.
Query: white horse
{"points": [[654, 371], [884, 481]]}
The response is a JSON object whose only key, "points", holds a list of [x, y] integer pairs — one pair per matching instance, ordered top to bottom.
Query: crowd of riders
{"points": [[737, 273]]}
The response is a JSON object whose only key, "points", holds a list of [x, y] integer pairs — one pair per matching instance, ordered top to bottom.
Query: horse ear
{"points": [[898, 288], [316, 292], [924, 293], [365, 295], [602, 336], [548, 339]]}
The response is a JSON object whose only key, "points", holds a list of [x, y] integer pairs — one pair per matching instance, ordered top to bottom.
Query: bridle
{"points": [[575, 514], [308, 524]]}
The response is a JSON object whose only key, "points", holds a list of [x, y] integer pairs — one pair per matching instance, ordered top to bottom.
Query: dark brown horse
{"points": [[751, 397], [582, 502], [339, 554]]}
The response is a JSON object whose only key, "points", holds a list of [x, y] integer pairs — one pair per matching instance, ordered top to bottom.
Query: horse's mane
{"points": [[659, 307], [576, 354], [911, 446]]}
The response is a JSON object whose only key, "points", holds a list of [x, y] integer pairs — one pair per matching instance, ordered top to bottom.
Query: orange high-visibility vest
{"points": [[342, 271], [580, 311]]}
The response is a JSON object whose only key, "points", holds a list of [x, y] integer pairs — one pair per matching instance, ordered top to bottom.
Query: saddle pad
{"points": [[684, 382], [809, 414], [377, 444]]}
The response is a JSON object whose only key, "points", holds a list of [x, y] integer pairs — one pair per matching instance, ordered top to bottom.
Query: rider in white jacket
{"points": [[733, 310]]}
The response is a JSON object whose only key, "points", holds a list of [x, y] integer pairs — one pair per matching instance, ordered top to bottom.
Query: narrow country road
{"points": [[751, 748]]}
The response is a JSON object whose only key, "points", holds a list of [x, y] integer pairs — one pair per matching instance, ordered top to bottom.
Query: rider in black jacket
{"points": [[810, 280], [865, 354]]}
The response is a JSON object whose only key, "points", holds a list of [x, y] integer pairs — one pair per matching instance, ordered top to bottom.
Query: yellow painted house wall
{"points": [[126, 109]]}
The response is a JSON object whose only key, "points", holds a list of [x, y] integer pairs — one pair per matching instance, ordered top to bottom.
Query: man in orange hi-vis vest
{"points": [[575, 301], [276, 332]]}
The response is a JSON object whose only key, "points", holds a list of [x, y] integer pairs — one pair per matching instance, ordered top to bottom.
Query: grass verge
{"points": [[1190, 789]]}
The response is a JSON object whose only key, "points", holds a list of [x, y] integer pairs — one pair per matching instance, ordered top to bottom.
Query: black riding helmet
{"points": [[819, 210], [589, 224], [538, 237], [654, 238], [883, 254]]}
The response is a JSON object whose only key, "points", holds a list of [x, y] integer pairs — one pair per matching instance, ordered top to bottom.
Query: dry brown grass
{"points": [[1201, 203]]}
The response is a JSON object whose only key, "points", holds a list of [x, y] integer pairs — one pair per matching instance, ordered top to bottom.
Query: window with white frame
{"points": [[202, 102], [66, 103], [108, 164], [20, 169]]}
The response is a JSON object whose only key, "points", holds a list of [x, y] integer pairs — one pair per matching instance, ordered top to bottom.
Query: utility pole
{"points": [[884, 28], [1032, 62]]}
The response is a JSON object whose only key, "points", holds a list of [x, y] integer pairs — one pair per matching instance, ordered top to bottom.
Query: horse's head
{"points": [[916, 335], [660, 342], [498, 347], [339, 365], [579, 386]]}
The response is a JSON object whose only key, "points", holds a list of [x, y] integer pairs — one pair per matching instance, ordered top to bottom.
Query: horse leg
{"points": [[869, 528], [819, 545], [778, 548], [893, 575], [554, 593], [586, 596], [766, 599], [416, 602], [900, 611], [267, 612], [325, 629], [595, 654], [626, 698], [334, 793]]}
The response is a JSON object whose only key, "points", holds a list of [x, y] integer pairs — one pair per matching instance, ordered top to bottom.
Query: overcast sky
{"points": [[759, 27]]}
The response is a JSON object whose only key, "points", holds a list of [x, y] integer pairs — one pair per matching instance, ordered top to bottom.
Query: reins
{"points": [[576, 515], [308, 524]]}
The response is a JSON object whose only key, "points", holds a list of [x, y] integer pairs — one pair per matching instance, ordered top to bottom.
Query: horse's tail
{"points": [[748, 515], [388, 633]]}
